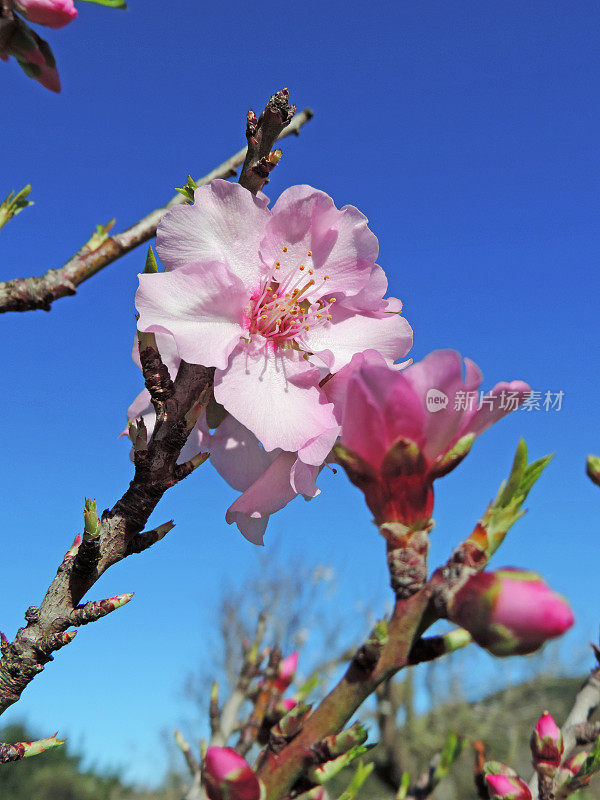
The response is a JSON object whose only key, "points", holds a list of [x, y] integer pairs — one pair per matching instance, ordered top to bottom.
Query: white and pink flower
{"points": [[275, 300]]}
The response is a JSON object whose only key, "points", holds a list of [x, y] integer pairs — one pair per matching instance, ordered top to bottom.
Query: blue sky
{"points": [[467, 133]]}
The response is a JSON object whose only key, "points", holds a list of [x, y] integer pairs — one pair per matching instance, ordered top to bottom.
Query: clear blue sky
{"points": [[467, 132]]}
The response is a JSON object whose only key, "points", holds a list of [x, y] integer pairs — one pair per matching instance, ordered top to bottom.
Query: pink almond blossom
{"points": [[52, 13], [275, 300], [401, 430], [267, 481], [510, 612]]}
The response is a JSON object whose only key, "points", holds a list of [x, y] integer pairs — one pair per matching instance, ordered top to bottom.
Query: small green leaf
{"points": [[109, 3], [188, 189], [14, 204], [151, 266], [453, 747], [360, 776], [404, 786]]}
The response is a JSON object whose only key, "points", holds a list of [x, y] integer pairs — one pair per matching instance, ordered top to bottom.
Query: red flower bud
{"points": [[510, 611], [228, 776]]}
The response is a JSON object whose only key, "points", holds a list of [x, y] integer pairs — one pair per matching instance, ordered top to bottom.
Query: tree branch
{"points": [[27, 294], [109, 540]]}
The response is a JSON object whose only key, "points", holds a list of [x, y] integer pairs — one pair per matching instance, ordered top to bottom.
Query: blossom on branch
{"points": [[275, 300], [401, 430], [511, 612]]}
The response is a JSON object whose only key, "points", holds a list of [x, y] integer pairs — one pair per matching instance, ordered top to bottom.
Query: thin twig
{"points": [[27, 294]]}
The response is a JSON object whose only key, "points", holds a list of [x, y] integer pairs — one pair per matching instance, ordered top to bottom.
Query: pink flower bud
{"points": [[52, 13], [403, 430], [510, 611], [287, 670], [288, 703], [546, 742], [228, 776], [507, 787]]}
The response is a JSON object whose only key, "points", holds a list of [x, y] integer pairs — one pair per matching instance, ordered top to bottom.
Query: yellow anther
{"points": [[285, 249], [310, 252], [301, 267], [310, 271], [325, 277], [332, 300], [263, 316], [319, 316], [328, 317], [306, 327]]}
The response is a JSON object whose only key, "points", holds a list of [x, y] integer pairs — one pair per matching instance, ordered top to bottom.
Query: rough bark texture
{"points": [[262, 133]]}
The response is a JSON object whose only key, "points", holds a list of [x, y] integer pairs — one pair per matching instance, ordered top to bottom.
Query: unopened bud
{"points": [[510, 611], [286, 672], [546, 742], [228, 776], [507, 787]]}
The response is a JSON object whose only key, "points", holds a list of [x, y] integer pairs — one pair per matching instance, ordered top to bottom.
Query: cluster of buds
{"points": [[509, 611], [547, 750]]}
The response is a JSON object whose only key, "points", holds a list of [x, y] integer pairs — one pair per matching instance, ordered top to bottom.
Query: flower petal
{"points": [[226, 223], [342, 246], [200, 305], [350, 332], [441, 370], [274, 392], [496, 404], [317, 449], [237, 456], [271, 492]]}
